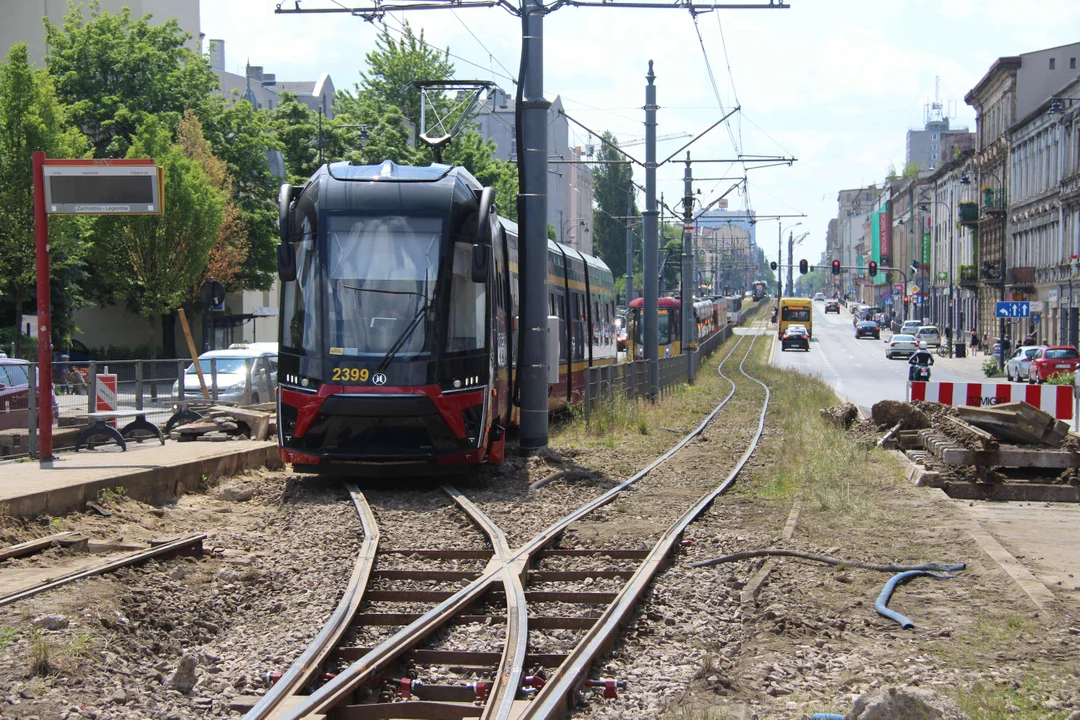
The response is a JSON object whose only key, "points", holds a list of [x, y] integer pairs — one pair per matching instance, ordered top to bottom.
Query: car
{"points": [[819, 297], [832, 306], [910, 327], [801, 328], [867, 328], [620, 333], [930, 335], [795, 337], [901, 344], [1052, 360], [1017, 366], [234, 385], [15, 395]]}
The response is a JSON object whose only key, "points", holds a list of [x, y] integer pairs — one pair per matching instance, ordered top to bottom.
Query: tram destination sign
{"points": [[89, 187]]}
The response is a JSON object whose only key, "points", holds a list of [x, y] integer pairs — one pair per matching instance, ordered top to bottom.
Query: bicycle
{"points": [[943, 351]]}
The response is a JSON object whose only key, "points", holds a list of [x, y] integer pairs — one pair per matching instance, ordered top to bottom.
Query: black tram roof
{"points": [[392, 188]]}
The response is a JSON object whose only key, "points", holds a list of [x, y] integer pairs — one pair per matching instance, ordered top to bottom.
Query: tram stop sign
{"points": [[103, 187], [212, 294]]}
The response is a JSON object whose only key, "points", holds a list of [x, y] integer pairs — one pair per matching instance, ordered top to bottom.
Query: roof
{"points": [[1000, 65]]}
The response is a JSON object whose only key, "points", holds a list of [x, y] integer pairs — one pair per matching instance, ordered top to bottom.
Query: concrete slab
{"points": [[149, 472], [1045, 537]]}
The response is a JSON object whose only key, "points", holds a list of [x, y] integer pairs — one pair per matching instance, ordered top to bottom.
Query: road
{"points": [[856, 369]]}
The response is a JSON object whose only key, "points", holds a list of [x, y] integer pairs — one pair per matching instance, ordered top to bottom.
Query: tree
{"points": [[394, 65], [114, 72], [32, 118], [297, 128], [243, 137], [476, 155], [911, 170], [611, 183], [157, 259]]}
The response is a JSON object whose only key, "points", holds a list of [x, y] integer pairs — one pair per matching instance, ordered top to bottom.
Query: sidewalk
{"points": [[968, 366], [150, 472]]}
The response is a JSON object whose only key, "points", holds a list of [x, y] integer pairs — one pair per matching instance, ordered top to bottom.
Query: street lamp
{"points": [[965, 180], [566, 226], [791, 243], [780, 256], [951, 310]]}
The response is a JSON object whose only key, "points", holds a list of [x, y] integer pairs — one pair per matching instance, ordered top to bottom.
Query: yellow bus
{"points": [[796, 311]]}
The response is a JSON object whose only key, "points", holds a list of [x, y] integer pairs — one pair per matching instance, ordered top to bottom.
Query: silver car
{"points": [[930, 335], [905, 345], [1016, 368], [242, 376]]}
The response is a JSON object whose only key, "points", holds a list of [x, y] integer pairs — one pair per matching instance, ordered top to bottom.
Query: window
{"points": [[1052, 63], [1072, 63], [467, 329]]}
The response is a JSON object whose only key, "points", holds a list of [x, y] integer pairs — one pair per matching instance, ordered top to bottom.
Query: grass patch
{"points": [[111, 495], [7, 636], [81, 646], [40, 662], [984, 701]]}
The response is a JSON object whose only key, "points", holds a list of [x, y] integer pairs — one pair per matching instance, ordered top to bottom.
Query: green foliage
{"points": [[393, 66], [115, 71], [32, 118], [297, 128], [241, 137], [475, 154], [911, 171], [611, 187], [157, 259], [990, 367], [1061, 378], [112, 495]]}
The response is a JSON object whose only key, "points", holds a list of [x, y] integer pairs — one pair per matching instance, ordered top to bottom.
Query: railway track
{"points": [[487, 630]]}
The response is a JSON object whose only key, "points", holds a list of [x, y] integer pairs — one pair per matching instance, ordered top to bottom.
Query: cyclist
{"points": [[920, 357]]}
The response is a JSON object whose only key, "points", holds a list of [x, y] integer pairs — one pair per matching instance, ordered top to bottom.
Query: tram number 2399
{"points": [[341, 374]]}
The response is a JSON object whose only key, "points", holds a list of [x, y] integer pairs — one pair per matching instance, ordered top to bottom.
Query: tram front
{"points": [[385, 324]]}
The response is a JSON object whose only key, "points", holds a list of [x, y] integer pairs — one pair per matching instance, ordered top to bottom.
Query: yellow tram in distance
{"points": [[795, 311], [669, 334]]}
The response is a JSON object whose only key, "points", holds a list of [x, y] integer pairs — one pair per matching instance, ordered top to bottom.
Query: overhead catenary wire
{"points": [[491, 55]]}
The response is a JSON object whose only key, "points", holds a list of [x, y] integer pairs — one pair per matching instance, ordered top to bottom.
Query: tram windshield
{"points": [[381, 274], [663, 335]]}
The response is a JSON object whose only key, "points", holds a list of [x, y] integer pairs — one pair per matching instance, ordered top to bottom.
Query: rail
{"points": [[507, 570]]}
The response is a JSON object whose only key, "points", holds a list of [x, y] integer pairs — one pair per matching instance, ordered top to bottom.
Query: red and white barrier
{"points": [[106, 394], [1057, 400]]}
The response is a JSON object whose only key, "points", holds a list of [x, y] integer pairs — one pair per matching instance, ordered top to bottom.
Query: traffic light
{"points": [[772, 265], [914, 266], [803, 267], [835, 267], [873, 268]]}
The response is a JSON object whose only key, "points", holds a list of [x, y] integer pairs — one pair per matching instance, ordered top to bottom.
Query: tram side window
{"points": [[300, 296], [468, 304]]}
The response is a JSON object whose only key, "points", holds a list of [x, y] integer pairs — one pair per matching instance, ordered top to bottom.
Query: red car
{"points": [[1054, 360], [14, 395]]}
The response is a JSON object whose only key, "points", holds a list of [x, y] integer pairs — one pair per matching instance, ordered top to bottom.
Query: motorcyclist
{"points": [[920, 357]]}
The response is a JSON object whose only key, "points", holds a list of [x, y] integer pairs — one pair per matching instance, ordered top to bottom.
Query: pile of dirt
{"points": [[887, 413], [841, 415], [903, 703]]}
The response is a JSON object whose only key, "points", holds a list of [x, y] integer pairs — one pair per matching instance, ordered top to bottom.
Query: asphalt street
{"points": [[857, 369]]}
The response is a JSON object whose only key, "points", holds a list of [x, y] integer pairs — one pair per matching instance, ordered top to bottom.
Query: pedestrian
{"points": [[948, 335], [1030, 339], [974, 341], [986, 344], [1005, 347]]}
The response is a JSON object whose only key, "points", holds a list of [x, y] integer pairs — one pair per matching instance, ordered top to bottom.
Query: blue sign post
{"points": [[1011, 309]]}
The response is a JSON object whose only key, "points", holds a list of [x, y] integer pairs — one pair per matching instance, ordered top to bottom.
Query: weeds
{"points": [[111, 495], [56, 525], [7, 636], [81, 646], [40, 661], [983, 701]]}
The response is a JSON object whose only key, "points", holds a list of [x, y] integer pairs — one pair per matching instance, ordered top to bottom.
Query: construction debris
{"points": [[888, 413], [841, 415], [1017, 422], [221, 424]]}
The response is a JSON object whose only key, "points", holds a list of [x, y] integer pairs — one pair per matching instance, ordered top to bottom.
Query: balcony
{"points": [[994, 201], [969, 214], [990, 273], [969, 275], [1020, 276]]}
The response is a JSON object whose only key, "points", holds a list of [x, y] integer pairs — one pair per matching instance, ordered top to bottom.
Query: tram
{"points": [[759, 290], [399, 318], [669, 328]]}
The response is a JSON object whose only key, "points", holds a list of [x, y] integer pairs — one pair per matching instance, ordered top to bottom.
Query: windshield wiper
{"points": [[384, 292], [403, 338]]}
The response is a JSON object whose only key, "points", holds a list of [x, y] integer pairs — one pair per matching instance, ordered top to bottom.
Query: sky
{"points": [[835, 84]]}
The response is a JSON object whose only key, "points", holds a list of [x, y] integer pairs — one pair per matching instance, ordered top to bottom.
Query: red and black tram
{"points": [[398, 320]]}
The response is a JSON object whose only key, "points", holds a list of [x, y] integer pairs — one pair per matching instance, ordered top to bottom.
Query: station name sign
{"points": [[96, 187]]}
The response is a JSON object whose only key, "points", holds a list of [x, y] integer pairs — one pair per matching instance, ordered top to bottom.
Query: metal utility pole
{"points": [[629, 241], [652, 246], [688, 257], [779, 261], [790, 261], [534, 370]]}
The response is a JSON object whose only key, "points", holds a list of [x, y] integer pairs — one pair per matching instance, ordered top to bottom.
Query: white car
{"points": [[820, 296], [910, 327], [930, 335], [901, 345], [1016, 368], [243, 376]]}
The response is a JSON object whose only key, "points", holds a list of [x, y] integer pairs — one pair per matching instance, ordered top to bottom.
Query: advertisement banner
{"points": [[885, 227], [926, 249]]}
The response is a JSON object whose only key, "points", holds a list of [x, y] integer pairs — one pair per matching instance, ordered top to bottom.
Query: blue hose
{"points": [[882, 602], [827, 716]]}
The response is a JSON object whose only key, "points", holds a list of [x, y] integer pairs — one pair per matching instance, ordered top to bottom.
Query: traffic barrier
{"points": [[106, 394], [1056, 400]]}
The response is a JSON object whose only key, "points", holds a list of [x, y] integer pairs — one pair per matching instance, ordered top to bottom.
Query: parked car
{"points": [[819, 297], [832, 306], [910, 327], [867, 328], [930, 335], [795, 337], [903, 345], [1053, 360], [1017, 366], [245, 376], [15, 395]]}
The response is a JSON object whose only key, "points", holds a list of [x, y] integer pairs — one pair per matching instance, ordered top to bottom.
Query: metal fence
{"points": [[631, 379], [158, 387]]}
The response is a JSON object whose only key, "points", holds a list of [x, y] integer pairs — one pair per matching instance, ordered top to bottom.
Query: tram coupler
{"points": [[270, 677], [610, 686], [480, 687]]}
